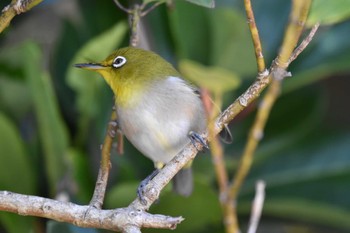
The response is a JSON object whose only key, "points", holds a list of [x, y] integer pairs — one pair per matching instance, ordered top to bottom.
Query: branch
{"points": [[16, 7], [255, 36], [105, 164], [257, 206], [121, 219]]}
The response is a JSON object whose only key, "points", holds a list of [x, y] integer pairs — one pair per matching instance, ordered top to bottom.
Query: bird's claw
{"points": [[195, 137], [142, 186]]}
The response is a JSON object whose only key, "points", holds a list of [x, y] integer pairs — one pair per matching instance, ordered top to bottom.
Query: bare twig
{"points": [[120, 6], [16, 7], [151, 8], [134, 18], [297, 19], [255, 36], [303, 44], [255, 135], [103, 173], [257, 207], [121, 219]]}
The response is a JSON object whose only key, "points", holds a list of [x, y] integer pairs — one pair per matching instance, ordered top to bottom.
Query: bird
{"points": [[158, 111]]}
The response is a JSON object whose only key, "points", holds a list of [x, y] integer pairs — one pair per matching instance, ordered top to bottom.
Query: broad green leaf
{"points": [[205, 3], [328, 12], [231, 44], [190, 45], [215, 79], [87, 84], [14, 96], [53, 132], [14, 158], [314, 158], [79, 162], [16, 173], [320, 213]]}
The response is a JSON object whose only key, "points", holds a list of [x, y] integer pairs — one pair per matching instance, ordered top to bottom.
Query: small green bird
{"points": [[158, 111]]}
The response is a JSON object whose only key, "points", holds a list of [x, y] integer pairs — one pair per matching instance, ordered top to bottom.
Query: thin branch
{"points": [[120, 6], [16, 7], [151, 8], [134, 18], [297, 19], [255, 36], [304, 44], [212, 110], [255, 135], [217, 154], [103, 173], [257, 207], [121, 219]]}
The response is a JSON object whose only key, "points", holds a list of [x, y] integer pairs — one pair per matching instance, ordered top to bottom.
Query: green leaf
{"points": [[205, 3], [328, 12], [231, 44], [190, 45], [215, 79], [14, 96], [53, 134], [15, 159], [79, 162], [16, 173], [304, 210]]}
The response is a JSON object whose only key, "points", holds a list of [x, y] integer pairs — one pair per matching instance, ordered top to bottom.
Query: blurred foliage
{"points": [[53, 117]]}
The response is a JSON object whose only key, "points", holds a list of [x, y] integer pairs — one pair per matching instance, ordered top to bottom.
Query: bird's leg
{"points": [[195, 137], [141, 188]]}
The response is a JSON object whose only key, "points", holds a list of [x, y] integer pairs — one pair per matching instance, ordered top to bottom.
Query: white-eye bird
{"points": [[156, 108]]}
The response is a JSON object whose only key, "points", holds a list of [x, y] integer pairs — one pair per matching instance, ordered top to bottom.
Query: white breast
{"points": [[159, 124]]}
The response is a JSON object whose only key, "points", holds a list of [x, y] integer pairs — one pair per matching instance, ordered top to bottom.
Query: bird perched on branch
{"points": [[158, 111]]}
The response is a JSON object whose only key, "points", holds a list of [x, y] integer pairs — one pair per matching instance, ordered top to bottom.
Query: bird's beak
{"points": [[90, 66]]}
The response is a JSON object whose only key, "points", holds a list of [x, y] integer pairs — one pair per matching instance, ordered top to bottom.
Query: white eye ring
{"points": [[119, 62]]}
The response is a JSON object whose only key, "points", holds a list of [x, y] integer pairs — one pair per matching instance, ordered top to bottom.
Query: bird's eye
{"points": [[119, 61]]}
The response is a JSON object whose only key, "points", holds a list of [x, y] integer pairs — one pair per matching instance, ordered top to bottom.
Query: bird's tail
{"points": [[183, 182]]}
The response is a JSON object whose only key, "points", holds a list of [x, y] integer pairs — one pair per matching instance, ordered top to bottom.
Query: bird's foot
{"points": [[195, 137], [143, 184]]}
